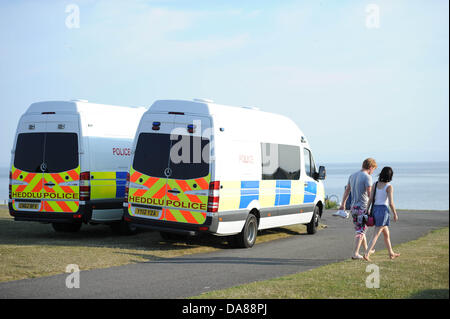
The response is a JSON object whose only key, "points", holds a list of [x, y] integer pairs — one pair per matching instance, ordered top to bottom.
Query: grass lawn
{"points": [[30, 249], [422, 271]]}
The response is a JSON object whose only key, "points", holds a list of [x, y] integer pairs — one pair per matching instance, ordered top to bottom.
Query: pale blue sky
{"points": [[355, 91]]}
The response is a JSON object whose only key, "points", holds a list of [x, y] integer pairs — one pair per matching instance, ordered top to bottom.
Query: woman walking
{"points": [[384, 198]]}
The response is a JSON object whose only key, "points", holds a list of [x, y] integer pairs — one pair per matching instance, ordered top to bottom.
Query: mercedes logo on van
{"points": [[43, 167], [167, 172]]}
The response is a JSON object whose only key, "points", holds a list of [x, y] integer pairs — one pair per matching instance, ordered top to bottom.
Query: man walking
{"points": [[360, 185]]}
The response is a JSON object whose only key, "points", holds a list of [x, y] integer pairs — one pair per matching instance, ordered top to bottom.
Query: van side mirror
{"points": [[322, 173]]}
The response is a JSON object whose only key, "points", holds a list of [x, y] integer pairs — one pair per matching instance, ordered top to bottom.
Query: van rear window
{"points": [[59, 152], [29, 154], [186, 156], [189, 157]]}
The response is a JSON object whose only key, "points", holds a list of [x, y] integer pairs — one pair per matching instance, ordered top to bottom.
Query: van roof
{"points": [[53, 106], [199, 106], [72, 107], [96, 119], [262, 123]]}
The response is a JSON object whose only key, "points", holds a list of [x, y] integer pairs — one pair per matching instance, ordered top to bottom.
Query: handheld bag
{"points": [[370, 220]]}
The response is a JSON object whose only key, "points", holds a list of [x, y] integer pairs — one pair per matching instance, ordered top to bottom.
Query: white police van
{"points": [[69, 163], [203, 167]]}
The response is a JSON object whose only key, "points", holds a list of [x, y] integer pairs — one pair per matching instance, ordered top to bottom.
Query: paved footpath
{"points": [[193, 274]]}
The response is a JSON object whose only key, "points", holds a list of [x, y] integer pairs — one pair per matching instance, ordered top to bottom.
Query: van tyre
{"points": [[66, 227], [311, 228], [247, 237]]}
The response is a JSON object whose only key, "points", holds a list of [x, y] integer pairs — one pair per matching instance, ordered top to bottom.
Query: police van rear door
{"points": [[61, 164], [189, 170], [26, 173], [45, 173], [147, 192]]}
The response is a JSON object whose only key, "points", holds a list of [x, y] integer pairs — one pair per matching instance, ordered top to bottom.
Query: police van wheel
{"points": [[314, 223], [66, 227], [247, 237]]}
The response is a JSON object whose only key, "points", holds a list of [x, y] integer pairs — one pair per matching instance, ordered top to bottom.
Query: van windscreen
{"points": [[59, 152], [186, 156]]}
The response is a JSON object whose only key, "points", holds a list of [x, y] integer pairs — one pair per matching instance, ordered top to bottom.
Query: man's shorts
{"points": [[358, 215]]}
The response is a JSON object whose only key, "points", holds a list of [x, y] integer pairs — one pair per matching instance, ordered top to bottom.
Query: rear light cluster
{"points": [[10, 185], [85, 186], [127, 188], [213, 197]]}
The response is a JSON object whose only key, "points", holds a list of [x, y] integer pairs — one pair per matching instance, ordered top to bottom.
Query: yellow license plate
{"points": [[28, 206], [147, 212]]}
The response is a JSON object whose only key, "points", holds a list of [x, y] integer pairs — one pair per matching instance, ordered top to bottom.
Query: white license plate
{"points": [[28, 206], [147, 212]]}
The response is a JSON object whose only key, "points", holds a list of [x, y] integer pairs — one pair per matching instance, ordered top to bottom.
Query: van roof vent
{"points": [[79, 100], [204, 100]]}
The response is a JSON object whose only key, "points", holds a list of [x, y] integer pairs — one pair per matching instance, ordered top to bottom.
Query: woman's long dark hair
{"points": [[386, 175]]}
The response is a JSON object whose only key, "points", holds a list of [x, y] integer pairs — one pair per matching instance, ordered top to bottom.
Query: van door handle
{"points": [[49, 184], [174, 191]]}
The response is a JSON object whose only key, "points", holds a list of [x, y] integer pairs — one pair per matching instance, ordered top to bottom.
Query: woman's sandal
{"points": [[366, 258]]}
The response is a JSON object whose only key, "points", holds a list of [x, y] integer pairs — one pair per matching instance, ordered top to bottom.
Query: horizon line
{"points": [[358, 163]]}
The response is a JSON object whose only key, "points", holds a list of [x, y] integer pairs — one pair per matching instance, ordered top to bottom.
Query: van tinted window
{"points": [[59, 151], [29, 153], [152, 154], [187, 156], [289, 159], [280, 162], [310, 166]]}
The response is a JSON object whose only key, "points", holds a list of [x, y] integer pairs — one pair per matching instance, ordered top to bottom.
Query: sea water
{"points": [[416, 185]]}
